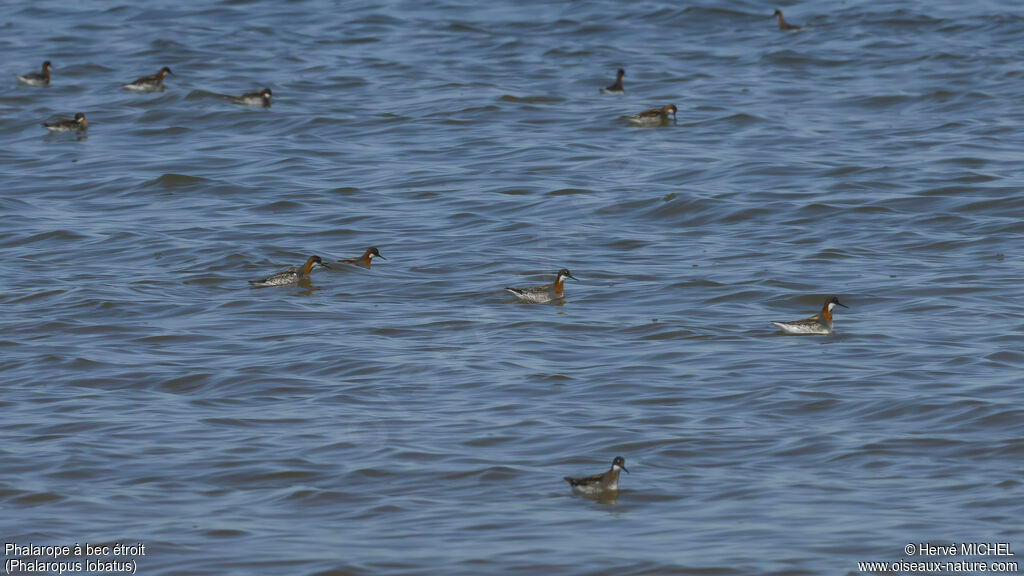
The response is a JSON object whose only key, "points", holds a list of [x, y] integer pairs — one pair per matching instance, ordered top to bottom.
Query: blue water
{"points": [[413, 417]]}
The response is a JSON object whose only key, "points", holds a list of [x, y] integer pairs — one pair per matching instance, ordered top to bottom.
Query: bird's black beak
{"points": [[843, 305], [624, 469]]}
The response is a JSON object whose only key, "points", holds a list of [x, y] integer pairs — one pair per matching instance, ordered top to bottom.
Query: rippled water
{"points": [[413, 418]]}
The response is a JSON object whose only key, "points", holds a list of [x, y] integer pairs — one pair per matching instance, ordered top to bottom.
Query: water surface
{"points": [[413, 418]]}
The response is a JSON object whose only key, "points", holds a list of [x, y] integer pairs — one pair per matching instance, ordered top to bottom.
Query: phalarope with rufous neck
{"points": [[783, 25], [36, 78], [150, 83], [616, 88], [261, 98], [654, 116], [76, 124], [365, 259], [293, 275], [546, 293], [820, 324], [599, 482]]}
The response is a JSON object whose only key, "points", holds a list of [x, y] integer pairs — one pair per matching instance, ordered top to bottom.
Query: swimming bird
{"points": [[783, 25], [36, 78], [150, 83], [617, 87], [261, 98], [654, 116], [76, 124], [365, 259], [293, 275], [546, 293], [820, 324], [599, 482]]}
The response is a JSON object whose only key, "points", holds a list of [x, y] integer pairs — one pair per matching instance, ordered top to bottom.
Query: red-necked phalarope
{"points": [[783, 25], [35, 78], [150, 83], [617, 87], [261, 98], [654, 116], [76, 124], [365, 259], [293, 275], [546, 293], [820, 324], [608, 481]]}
